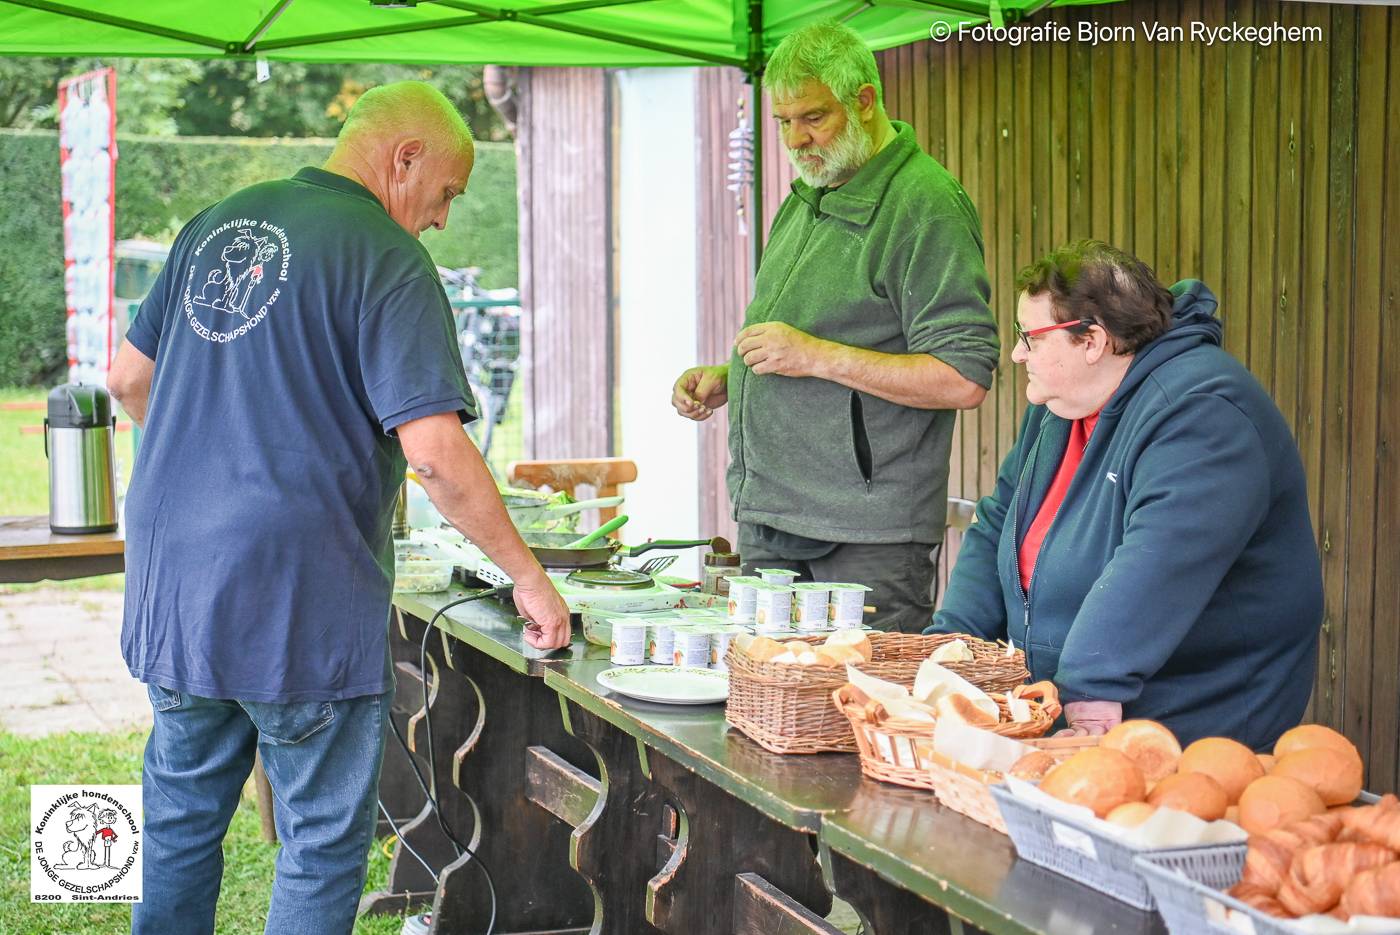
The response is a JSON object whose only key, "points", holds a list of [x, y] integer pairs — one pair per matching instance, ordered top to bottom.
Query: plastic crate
{"points": [[1079, 851], [1188, 889]]}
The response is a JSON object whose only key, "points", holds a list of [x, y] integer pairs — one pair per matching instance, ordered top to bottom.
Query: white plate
{"points": [[667, 684]]}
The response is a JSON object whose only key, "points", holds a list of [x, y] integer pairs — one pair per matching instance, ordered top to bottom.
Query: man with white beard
{"points": [[869, 326]]}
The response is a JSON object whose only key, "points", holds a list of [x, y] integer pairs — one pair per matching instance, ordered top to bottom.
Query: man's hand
{"points": [[774, 347], [700, 391], [547, 615], [1091, 718]]}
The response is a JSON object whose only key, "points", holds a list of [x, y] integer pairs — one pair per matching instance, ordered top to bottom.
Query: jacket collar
{"points": [[857, 199]]}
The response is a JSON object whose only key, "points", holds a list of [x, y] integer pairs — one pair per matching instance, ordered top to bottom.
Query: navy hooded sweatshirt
{"points": [[1180, 576]]}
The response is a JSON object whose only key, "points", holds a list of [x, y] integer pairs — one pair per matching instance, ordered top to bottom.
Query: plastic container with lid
{"points": [[419, 567]]}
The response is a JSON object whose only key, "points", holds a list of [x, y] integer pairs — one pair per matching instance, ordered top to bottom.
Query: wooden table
{"points": [[29, 551], [488, 706], [740, 812], [671, 821], [905, 863]]}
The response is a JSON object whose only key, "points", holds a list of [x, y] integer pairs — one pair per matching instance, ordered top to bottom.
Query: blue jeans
{"points": [[322, 759]]}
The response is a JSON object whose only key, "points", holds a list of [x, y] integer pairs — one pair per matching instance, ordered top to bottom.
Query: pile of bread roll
{"points": [[840, 648], [1139, 767], [1310, 850], [1342, 862]]}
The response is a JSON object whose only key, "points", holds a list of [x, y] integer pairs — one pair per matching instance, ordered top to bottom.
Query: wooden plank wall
{"points": [[564, 142], [1272, 173], [725, 258]]}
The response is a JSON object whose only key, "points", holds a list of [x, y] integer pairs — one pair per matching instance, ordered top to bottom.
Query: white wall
{"points": [[656, 265]]}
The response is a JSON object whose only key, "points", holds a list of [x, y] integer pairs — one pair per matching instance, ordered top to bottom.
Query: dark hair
{"points": [[1090, 279]]}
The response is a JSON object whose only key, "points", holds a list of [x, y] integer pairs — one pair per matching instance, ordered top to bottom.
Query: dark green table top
{"points": [[493, 627], [796, 791], [901, 834], [969, 869]]}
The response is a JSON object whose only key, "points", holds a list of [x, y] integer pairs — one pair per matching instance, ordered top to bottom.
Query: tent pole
{"points": [[754, 70]]}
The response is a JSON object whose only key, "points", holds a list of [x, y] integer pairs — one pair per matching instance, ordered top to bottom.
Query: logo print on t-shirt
{"points": [[232, 282]]}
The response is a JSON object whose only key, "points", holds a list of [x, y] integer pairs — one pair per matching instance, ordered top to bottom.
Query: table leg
{"points": [[484, 716], [720, 838], [614, 848]]}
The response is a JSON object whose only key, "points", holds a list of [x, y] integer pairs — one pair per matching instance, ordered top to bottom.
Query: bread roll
{"points": [[856, 639], [798, 647], [764, 649], [842, 654], [809, 657], [786, 658], [826, 658], [960, 708], [1307, 736], [1151, 746], [1266, 760], [1227, 761], [1033, 766], [1334, 775], [1099, 779], [1196, 793], [1272, 801], [1131, 814], [1233, 814], [1270, 854], [1319, 874], [1373, 893]]}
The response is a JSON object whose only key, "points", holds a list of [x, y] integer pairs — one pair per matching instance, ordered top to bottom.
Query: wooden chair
{"points": [[604, 475]]}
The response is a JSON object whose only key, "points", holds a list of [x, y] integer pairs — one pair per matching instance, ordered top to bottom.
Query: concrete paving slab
{"points": [[60, 655]]}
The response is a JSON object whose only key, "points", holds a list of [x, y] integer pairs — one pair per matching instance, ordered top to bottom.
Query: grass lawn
{"points": [[24, 476], [116, 759]]}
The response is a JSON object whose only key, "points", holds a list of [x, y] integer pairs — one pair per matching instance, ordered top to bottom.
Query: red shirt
{"points": [[1074, 453]]}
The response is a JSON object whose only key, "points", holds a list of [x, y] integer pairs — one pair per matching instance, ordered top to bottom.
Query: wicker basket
{"points": [[787, 708], [901, 751], [968, 791]]}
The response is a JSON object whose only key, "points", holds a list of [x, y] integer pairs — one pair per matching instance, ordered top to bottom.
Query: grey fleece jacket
{"points": [[890, 261]]}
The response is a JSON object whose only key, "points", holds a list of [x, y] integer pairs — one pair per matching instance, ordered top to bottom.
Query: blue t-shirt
{"points": [[294, 327]]}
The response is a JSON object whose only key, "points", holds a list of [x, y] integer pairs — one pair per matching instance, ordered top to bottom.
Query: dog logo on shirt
{"points": [[235, 278]]}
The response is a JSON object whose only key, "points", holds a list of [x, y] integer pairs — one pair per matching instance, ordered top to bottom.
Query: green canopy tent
{"points": [[608, 33], [615, 33]]}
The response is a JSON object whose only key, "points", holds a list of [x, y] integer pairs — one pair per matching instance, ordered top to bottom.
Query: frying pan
{"points": [[550, 549]]}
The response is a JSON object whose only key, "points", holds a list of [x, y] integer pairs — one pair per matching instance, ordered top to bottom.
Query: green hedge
{"points": [[161, 183]]}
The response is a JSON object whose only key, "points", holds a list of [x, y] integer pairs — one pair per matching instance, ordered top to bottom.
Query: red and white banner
{"points": [[87, 135]]}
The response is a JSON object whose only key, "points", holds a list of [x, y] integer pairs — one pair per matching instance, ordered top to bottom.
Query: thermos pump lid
{"points": [[79, 406]]}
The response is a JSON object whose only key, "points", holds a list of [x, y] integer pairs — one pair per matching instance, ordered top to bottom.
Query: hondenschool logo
{"points": [[233, 281], [85, 844]]}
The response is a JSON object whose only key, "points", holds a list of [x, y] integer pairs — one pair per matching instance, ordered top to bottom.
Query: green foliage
{"points": [[224, 98], [161, 184]]}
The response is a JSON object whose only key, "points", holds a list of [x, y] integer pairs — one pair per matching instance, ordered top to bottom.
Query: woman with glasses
{"points": [[1148, 542]]}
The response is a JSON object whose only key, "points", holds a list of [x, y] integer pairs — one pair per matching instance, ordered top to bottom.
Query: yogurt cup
{"points": [[777, 575], [742, 597], [809, 606], [772, 607], [847, 608], [720, 638], [661, 641], [629, 642], [692, 647]]}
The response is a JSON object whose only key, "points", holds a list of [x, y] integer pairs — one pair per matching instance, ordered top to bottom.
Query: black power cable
{"points": [[432, 761]]}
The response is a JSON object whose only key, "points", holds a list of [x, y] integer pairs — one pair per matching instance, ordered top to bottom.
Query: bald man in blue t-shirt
{"points": [[296, 347]]}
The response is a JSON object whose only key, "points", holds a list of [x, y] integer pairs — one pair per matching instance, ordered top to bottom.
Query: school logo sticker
{"points": [[234, 278], [85, 844]]}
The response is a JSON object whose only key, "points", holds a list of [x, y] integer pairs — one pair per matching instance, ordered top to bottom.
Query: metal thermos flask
{"points": [[78, 437]]}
